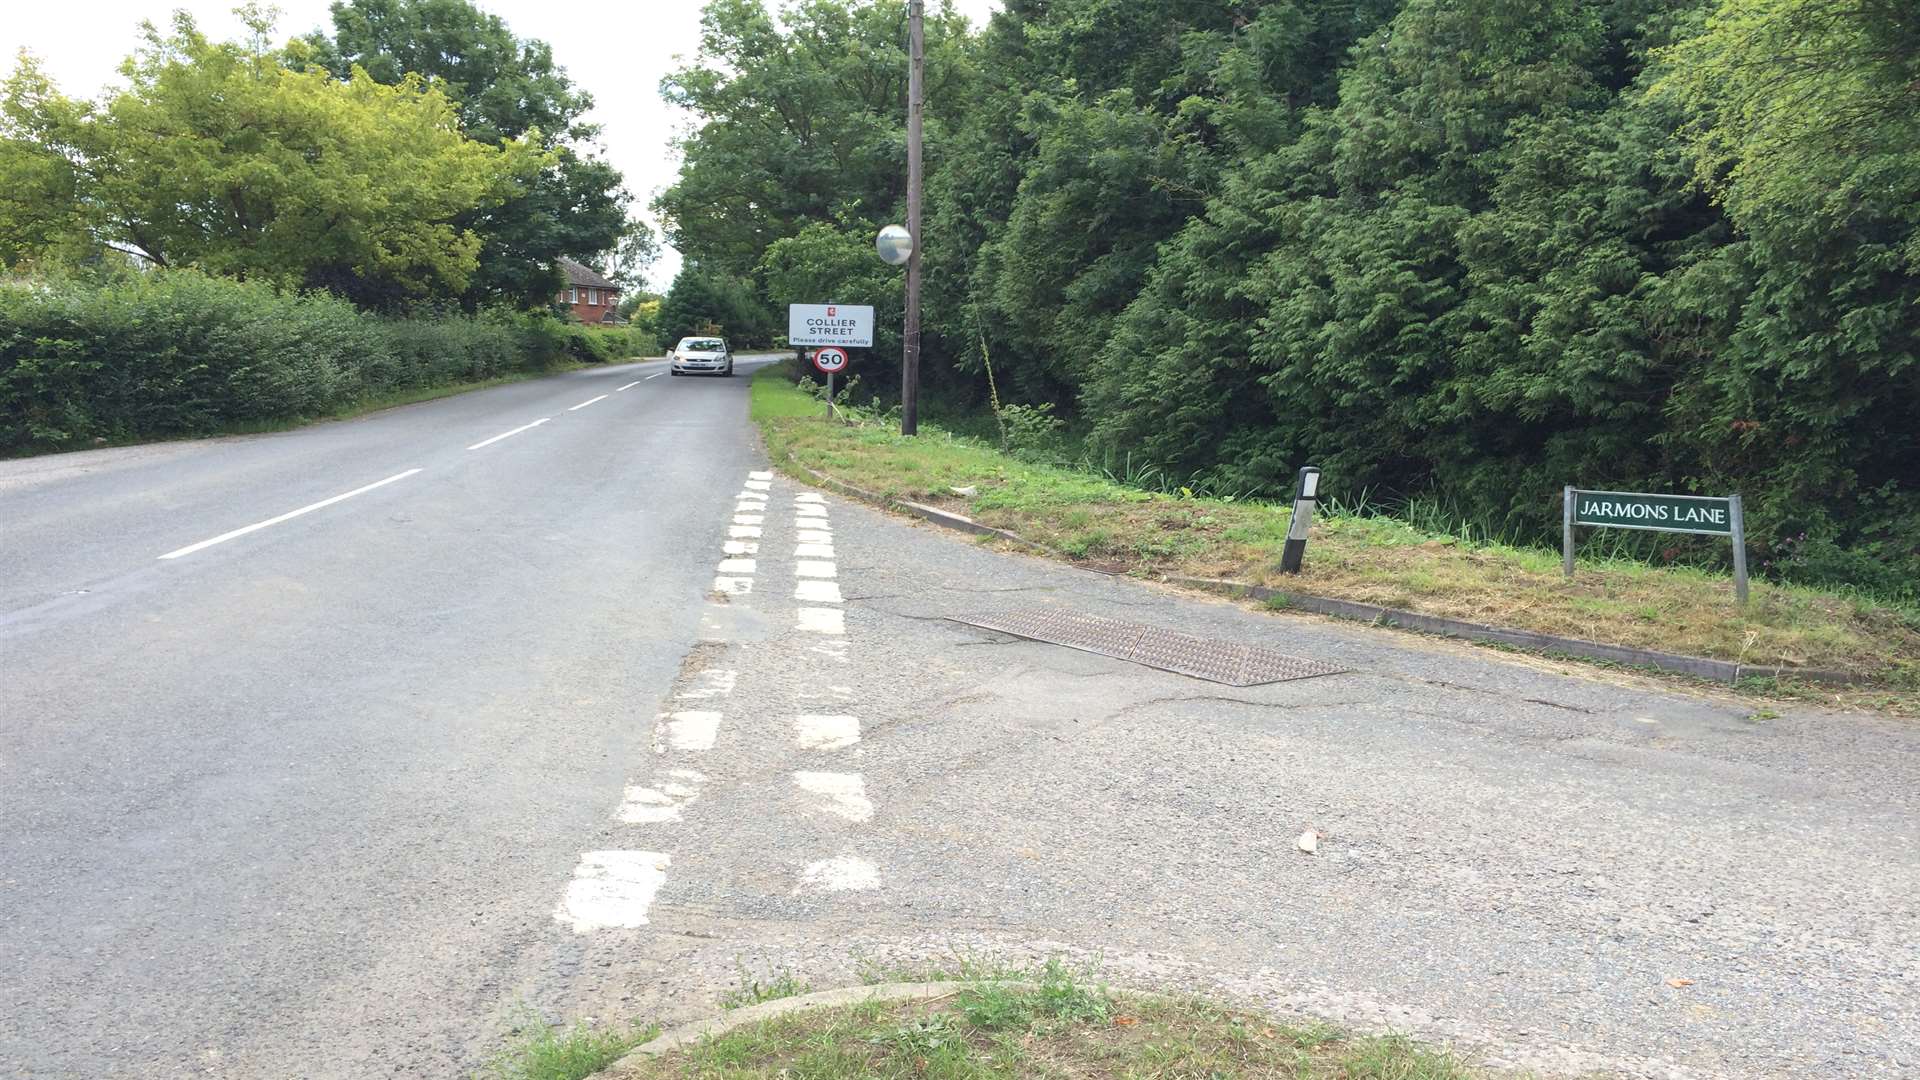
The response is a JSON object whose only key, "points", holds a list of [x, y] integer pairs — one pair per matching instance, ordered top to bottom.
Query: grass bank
{"points": [[1094, 520], [1058, 1024]]}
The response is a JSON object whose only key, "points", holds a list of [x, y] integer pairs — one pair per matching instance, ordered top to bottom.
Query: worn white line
{"points": [[655, 375], [629, 386], [586, 403], [509, 434], [759, 476], [758, 485], [809, 497], [810, 510], [288, 516], [749, 519], [744, 532], [814, 536], [740, 547], [813, 551], [737, 566], [807, 568], [733, 586], [816, 592], [823, 620], [715, 682], [695, 730], [826, 732], [844, 794], [843, 873], [612, 889]]}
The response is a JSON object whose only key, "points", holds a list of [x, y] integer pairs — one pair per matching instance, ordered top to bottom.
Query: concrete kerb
{"points": [[1698, 666], [691, 1034]]}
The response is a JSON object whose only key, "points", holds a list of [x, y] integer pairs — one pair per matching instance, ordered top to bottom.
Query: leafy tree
{"points": [[504, 88], [224, 157], [701, 299]]}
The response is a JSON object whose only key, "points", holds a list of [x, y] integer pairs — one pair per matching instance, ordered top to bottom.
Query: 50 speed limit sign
{"points": [[830, 360]]}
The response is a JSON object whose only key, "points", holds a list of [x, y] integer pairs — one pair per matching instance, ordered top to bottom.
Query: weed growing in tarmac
{"points": [[752, 991], [542, 1051]]}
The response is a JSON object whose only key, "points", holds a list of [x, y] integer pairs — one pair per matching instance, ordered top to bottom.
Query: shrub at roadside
{"points": [[606, 344], [172, 353]]}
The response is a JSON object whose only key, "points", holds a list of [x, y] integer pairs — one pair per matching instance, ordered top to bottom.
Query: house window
{"points": [[573, 294], [593, 297]]}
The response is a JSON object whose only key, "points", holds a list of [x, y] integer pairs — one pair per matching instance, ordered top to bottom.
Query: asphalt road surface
{"points": [[590, 720]]}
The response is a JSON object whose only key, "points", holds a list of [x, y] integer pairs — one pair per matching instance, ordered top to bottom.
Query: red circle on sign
{"points": [[830, 359]]}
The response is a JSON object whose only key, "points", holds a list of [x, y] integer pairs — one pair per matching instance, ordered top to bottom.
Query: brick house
{"points": [[590, 297]]}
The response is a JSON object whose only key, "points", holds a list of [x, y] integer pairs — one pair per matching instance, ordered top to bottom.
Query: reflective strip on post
{"points": [[1306, 493]]}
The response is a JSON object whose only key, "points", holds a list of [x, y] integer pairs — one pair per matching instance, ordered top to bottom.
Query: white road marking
{"points": [[655, 375], [629, 386], [586, 403], [509, 434], [759, 476], [759, 485], [810, 497], [749, 508], [810, 510], [288, 516], [749, 519], [743, 531], [814, 536], [740, 547], [813, 551], [736, 566], [809, 568], [733, 586], [816, 592], [823, 620], [834, 649], [713, 682], [686, 731], [826, 732], [844, 794], [645, 806], [843, 873], [612, 889]]}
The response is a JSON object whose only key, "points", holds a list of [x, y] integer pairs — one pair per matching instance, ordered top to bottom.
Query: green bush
{"points": [[605, 344], [170, 353]]}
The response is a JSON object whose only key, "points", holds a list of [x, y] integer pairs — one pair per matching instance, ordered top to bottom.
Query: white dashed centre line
{"points": [[655, 375], [629, 386], [586, 403], [510, 434], [288, 516]]}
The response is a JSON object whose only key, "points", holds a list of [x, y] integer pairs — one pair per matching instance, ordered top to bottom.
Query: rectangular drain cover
{"points": [[1169, 650]]}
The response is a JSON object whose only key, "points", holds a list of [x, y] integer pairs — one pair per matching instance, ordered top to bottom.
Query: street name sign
{"points": [[845, 325], [1707, 515]]}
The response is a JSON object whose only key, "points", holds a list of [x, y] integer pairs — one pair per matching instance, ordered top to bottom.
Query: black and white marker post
{"points": [[1305, 493]]}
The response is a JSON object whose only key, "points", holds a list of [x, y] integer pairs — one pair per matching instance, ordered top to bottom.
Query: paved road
{"points": [[588, 719], [314, 790]]}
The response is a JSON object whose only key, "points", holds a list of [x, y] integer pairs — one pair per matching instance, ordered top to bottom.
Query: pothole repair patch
{"points": [[1228, 662]]}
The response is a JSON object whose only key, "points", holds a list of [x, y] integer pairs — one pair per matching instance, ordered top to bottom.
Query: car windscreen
{"points": [[704, 344]]}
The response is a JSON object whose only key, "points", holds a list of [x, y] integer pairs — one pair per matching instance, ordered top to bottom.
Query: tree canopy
{"points": [[225, 157], [1474, 248]]}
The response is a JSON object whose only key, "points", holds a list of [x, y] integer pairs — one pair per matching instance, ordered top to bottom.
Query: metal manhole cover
{"points": [[1218, 661]]}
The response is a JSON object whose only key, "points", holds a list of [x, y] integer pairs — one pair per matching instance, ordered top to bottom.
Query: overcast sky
{"points": [[617, 51]]}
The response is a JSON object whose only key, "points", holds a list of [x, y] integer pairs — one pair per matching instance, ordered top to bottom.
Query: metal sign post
{"points": [[829, 361], [1306, 493], [1703, 515]]}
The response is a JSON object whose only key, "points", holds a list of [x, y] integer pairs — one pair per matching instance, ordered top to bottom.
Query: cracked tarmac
{"points": [[1516, 855]]}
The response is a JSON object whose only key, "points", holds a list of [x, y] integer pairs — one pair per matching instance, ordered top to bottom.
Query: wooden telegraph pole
{"points": [[910, 350]]}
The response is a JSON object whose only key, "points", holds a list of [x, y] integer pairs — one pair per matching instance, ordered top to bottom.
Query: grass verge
{"points": [[1099, 522], [1056, 1025], [541, 1051]]}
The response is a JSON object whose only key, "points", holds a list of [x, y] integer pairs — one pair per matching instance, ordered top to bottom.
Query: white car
{"points": [[706, 355]]}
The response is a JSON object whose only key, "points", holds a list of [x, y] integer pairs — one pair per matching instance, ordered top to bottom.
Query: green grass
{"points": [[1357, 554], [753, 991], [1058, 1022], [541, 1051]]}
